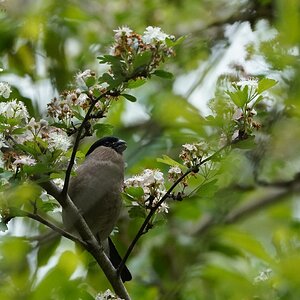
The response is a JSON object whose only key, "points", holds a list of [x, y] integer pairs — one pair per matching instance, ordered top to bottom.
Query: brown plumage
{"points": [[95, 190]]}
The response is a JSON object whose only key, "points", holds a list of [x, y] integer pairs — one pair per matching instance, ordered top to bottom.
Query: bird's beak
{"points": [[120, 146]]}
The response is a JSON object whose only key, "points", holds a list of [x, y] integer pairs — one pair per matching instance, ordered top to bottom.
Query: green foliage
{"points": [[196, 254]]}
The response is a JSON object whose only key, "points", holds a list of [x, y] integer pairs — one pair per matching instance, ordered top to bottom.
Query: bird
{"points": [[96, 192]]}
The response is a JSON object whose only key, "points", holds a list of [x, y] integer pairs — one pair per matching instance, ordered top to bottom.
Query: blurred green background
{"points": [[44, 43]]}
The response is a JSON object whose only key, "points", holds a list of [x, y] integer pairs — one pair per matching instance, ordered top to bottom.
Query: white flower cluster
{"points": [[124, 30], [154, 34], [129, 43], [252, 83], [5, 89], [76, 102], [14, 109], [34, 132], [56, 138], [192, 154], [26, 160], [175, 173], [153, 185], [107, 295]]}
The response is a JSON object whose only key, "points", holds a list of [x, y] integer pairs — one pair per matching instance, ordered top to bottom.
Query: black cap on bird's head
{"points": [[110, 142]]}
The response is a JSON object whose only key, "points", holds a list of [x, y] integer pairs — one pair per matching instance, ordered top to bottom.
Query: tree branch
{"points": [[75, 147], [55, 228], [141, 231], [92, 245]]}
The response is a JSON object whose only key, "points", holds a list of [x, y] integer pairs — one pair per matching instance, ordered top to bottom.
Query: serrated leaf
{"points": [[110, 59], [142, 59], [163, 74], [106, 78], [90, 81], [265, 84], [129, 97], [239, 97], [103, 129], [18, 130], [171, 162], [38, 168], [208, 189], [135, 192], [48, 206], [137, 212]]}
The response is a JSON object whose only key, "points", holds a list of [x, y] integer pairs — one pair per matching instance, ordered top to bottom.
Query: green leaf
{"points": [[173, 43], [110, 59], [142, 59], [163, 74], [90, 81], [111, 81], [132, 84], [265, 84], [240, 96], [129, 97], [78, 115], [103, 129], [18, 130], [248, 143], [171, 162], [38, 168], [208, 189], [135, 192], [48, 206], [137, 212], [244, 241], [46, 250]]}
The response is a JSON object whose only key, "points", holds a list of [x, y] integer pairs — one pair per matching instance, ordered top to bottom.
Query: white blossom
{"points": [[124, 30], [154, 34], [85, 74], [81, 77], [253, 83], [5, 89], [82, 98], [14, 109], [237, 114], [59, 140], [3, 143], [189, 147], [25, 160], [175, 170], [59, 182], [152, 183], [163, 208], [107, 295]]}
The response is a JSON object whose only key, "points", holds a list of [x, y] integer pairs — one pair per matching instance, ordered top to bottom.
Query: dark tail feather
{"points": [[116, 259]]}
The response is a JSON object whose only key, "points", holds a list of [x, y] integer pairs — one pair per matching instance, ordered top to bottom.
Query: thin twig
{"points": [[75, 147], [57, 229], [141, 231]]}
